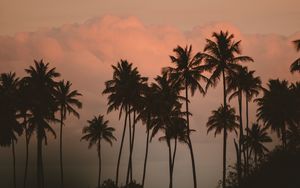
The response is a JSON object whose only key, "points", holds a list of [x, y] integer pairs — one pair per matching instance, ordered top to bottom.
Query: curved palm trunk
{"points": [[225, 134], [130, 137], [189, 139], [121, 147], [60, 150], [146, 153], [174, 154], [26, 155], [99, 156], [14, 162], [170, 165]]}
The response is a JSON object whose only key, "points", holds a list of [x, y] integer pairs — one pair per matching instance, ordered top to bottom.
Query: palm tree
{"points": [[220, 59], [295, 66], [188, 72], [236, 82], [244, 82], [124, 91], [66, 100], [24, 106], [43, 106], [148, 107], [277, 108], [167, 113], [223, 119], [10, 127], [97, 130], [177, 130], [256, 139]]}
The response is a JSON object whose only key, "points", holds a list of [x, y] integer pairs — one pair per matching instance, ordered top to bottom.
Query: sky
{"points": [[82, 39]]}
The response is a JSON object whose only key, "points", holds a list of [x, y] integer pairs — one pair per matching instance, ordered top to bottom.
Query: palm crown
{"points": [[223, 117], [97, 130]]}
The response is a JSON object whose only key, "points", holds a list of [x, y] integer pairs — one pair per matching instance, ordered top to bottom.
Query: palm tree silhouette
{"points": [[220, 59], [295, 66], [188, 72], [236, 82], [244, 82], [124, 91], [66, 101], [43, 106], [148, 107], [277, 108], [24, 112], [167, 113], [223, 119], [10, 127], [97, 130], [177, 130], [256, 139]]}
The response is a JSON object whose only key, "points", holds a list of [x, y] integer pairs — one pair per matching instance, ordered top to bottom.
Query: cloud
{"points": [[84, 53]]}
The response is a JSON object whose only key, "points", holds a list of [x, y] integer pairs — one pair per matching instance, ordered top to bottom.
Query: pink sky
{"points": [[145, 34]]}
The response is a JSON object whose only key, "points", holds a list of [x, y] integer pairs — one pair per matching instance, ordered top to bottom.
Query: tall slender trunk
{"points": [[247, 127], [225, 133], [130, 137], [241, 138], [189, 139], [132, 144], [121, 146], [60, 149], [146, 153], [174, 154], [26, 155], [99, 156], [224, 157], [14, 162], [170, 164], [40, 181]]}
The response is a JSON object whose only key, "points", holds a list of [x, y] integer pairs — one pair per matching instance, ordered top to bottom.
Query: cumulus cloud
{"points": [[84, 53]]}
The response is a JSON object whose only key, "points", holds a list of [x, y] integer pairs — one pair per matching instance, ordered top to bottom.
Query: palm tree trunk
{"points": [[247, 126], [225, 134], [130, 137], [189, 139], [240, 139], [132, 144], [121, 147], [60, 150], [146, 153], [174, 154], [26, 155], [99, 156], [224, 157], [238, 159], [39, 161], [14, 162], [170, 164]]}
